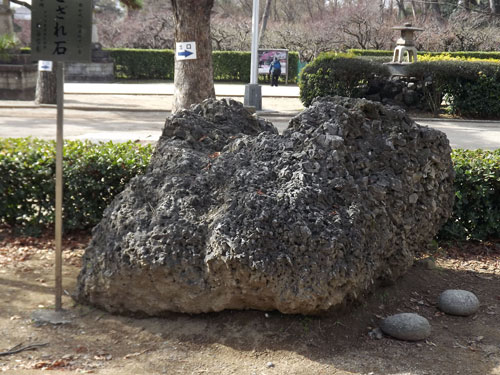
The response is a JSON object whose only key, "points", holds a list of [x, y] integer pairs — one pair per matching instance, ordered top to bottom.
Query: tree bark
{"points": [[19, 2], [464, 5], [493, 7], [401, 8], [436, 9], [309, 10], [414, 10], [276, 15], [265, 17], [193, 79], [46, 87]]}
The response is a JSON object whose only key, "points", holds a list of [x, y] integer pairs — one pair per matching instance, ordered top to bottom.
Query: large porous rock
{"points": [[232, 215]]}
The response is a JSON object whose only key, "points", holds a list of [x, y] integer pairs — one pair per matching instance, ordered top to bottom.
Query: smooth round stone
{"points": [[458, 302], [406, 326]]}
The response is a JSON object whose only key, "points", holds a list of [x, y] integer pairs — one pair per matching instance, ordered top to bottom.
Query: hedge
{"points": [[466, 54], [449, 57], [143, 63], [136, 64], [231, 66], [337, 74], [470, 88], [93, 175], [476, 213]]}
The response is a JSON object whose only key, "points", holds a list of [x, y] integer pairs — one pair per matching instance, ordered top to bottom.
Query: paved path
{"points": [[167, 88], [121, 112], [468, 134]]}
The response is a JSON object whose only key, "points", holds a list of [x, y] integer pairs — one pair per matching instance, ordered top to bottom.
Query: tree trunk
{"points": [[464, 4], [493, 7], [401, 8], [436, 9], [309, 10], [414, 10], [265, 17], [193, 79], [46, 87]]}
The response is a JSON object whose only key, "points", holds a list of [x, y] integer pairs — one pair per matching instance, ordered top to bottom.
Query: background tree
{"points": [[464, 4], [493, 7], [265, 17], [313, 26], [149, 27], [193, 79], [46, 92]]}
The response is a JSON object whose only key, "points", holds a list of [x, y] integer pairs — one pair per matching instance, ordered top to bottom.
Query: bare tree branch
{"points": [[22, 3]]}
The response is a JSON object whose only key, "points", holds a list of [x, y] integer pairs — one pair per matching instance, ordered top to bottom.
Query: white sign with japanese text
{"points": [[61, 30], [185, 51]]}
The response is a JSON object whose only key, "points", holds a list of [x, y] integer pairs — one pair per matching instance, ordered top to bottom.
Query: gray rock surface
{"points": [[232, 215], [458, 302], [41, 317], [406, 326]]}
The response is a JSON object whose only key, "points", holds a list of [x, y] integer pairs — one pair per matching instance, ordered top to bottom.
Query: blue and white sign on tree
{"points": [[185, 51]]}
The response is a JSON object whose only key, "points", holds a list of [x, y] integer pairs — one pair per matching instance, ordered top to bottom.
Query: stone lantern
{"points": [[405, 44]]}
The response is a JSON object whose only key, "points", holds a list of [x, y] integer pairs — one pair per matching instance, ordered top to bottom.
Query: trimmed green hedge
{"points": [[369, 52], [466, 54], [143, 63], [159, 64], [231, 66], [293, 66], [337, 74], [471, 89], [93, 175], [476, 213]]}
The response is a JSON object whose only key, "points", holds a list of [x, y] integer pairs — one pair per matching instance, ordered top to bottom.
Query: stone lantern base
{"points": [[399, 54]]}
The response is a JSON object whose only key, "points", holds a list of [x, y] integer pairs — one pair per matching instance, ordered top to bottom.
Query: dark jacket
{"points": [[275, 67]]}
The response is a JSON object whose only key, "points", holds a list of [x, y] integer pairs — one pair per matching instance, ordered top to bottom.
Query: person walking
{"points": [[275, 71]]}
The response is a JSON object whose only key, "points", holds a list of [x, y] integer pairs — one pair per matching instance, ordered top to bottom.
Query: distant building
{"points": [[21, 13], [22, 23]]}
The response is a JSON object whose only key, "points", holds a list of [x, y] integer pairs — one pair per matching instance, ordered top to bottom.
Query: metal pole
{"points": [[255, 43], [253, 92], [59, 182]]}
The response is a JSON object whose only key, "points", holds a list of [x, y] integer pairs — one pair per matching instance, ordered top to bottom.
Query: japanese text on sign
{"points": [[61, 30]]}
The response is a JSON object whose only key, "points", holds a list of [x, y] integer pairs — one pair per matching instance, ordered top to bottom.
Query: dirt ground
{"points": [[250, 342]]}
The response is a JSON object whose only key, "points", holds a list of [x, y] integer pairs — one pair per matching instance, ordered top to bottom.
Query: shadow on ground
{"points": [[255, 342]]}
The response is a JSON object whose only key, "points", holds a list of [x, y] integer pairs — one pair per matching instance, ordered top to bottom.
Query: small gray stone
{"points": [[427, 263], [458, 302], [54, 317], [406, 326], [375, 334], [269, 365]]}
